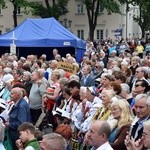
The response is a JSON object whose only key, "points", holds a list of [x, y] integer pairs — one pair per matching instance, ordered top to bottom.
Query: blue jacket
{"points": [[90, 81], [19, 114]]}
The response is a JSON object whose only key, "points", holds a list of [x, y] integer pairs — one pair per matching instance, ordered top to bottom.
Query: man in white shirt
{"points": [[98, 134]]}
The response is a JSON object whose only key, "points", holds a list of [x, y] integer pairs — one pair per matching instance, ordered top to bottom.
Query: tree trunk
{"points": [[47, 3], [15, 15], [91, 32], [143, 32]]}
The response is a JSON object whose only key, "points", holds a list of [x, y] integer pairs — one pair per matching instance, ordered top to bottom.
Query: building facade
{"points": [[77, 21]]}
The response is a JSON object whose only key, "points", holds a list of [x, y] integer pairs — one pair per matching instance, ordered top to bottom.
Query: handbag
{"points": [[7, 142]]}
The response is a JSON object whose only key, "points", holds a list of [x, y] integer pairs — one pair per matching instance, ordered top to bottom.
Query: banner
{"points": [[72, 69]]}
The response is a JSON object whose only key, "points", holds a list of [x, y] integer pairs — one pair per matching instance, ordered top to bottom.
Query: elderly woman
{"points": [[26, 79], [83, 106], [121, 111], [104, 112]]}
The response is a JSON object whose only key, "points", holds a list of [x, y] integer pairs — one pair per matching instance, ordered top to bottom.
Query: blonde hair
{"points": [[57, 73], [126, 113], [147, 124]]}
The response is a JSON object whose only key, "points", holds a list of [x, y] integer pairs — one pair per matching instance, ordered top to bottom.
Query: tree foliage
{"points": [[2, 3], [16, 4], [92, 7], [52, 8], [143, 18]]}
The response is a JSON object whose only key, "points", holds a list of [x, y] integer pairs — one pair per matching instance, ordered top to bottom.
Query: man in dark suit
{"points": [[87, 80], [142, 110], [20, 113]]}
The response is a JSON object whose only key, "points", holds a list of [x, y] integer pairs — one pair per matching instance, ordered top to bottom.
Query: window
{"points": [[79, 8], [18, 10], [7, 29], [0, 32], [80, 34], [100, 34]]}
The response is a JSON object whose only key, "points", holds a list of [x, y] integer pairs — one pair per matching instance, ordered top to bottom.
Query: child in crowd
{"points": [[27, 140]]}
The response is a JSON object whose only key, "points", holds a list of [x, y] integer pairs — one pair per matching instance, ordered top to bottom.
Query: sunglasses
{"points": [[136, 85]]}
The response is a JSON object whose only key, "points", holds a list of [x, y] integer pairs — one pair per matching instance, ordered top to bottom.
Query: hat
{"points": [[92, 89], [49, 90]]}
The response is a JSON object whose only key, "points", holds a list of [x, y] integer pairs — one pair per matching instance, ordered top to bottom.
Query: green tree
{"points": [[2, 3], [16, 4], [52, 8], [92, 8], [143, 18]]}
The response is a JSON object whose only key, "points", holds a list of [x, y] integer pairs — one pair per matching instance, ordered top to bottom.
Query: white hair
{"points": [[125, 87], [141, 96]]}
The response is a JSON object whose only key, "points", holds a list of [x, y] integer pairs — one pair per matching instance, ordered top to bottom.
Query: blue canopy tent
{"points": [[43, 33]]}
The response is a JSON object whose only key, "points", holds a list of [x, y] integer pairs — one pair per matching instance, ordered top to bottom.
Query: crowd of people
{"points": [[105, 105]]}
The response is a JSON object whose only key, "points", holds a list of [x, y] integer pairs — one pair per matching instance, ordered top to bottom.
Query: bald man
{"points": [[20, 113], [98, 134]]}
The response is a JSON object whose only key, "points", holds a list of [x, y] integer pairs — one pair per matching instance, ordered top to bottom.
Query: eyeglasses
{"points": [[136, 85]]}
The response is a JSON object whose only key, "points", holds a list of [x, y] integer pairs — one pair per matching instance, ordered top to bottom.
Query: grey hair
{"points": [[137, 58], [100, 63], [27, 73], [74, 77], [64, 80], [125, 87], [83, 89], [141, 96], [2, 131], [56, 141]]}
